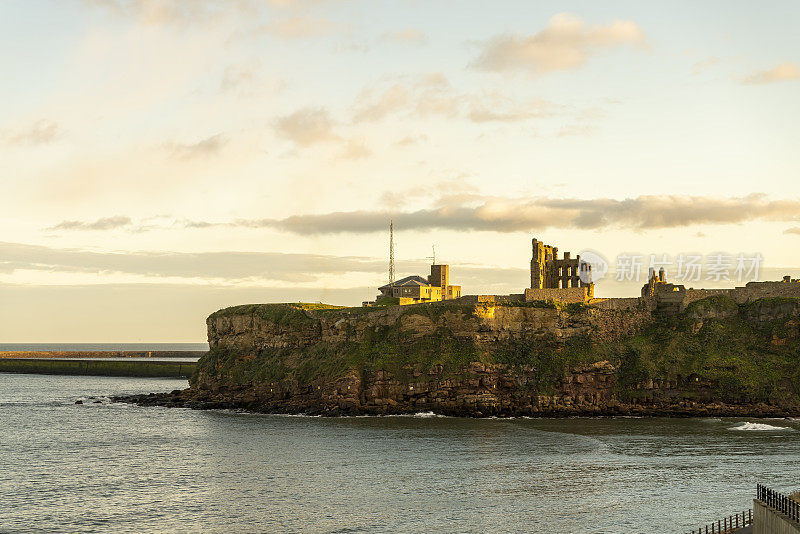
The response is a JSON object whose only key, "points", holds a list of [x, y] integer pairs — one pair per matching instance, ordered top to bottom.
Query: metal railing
{"points": [[779, 502], [728, 524]]}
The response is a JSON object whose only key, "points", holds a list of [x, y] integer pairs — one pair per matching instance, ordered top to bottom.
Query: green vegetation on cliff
{"points": [[289, 314], [382, 347]]}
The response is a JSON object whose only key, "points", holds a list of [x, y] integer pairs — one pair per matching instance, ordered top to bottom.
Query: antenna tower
{"points": [[391, 251], [433, 257]]}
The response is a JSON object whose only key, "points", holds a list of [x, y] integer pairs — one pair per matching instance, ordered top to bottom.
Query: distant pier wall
{"points": [[101, 354], [98, 367]]}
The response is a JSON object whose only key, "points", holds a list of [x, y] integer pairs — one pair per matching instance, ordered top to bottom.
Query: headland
{"points": [[554, 350]]}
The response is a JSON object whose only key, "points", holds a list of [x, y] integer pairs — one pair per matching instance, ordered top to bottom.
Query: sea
{"points": [[103, 466]]}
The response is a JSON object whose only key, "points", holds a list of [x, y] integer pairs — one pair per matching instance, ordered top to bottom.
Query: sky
{"points": [[161, 159]]}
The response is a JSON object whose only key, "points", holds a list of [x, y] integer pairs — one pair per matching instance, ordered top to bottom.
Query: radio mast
{"points": [[391, 251], [432, 258]]}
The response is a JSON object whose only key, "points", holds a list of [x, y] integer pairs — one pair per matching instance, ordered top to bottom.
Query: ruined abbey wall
{"points": [[761, 290], [752, 291], [565, 295], [693, 295]]}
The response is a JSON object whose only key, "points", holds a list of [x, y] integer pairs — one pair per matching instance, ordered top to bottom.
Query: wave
{"points": [[759, 427]]}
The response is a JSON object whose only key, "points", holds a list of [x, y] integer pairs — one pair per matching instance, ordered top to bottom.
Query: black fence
{"points": [[779, 502], [728, 524]]}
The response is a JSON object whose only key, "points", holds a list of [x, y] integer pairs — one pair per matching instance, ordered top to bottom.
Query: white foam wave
{"points": [[427, 414], [759, 427]]}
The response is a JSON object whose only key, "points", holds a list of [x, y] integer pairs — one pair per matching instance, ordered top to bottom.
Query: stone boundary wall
{"points": [[760, 290], [752, 291], [566, 295], [693, 295], [741, 295], [519, 297], [489, 299], [618, 303], [155, 354]]}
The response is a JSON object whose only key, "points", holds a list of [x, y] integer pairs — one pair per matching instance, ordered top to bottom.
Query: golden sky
{"points": [[163, 158]]}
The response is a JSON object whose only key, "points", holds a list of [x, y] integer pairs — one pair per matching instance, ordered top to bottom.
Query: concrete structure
{"points": [[563, 280], [416, 289], [769, 521]]}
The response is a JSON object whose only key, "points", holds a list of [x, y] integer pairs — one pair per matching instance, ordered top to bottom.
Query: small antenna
{"points": [[391, 251], [432, 257]]}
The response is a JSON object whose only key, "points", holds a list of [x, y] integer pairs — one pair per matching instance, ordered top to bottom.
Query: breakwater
{"points": [[49, 354], [98, 366]]}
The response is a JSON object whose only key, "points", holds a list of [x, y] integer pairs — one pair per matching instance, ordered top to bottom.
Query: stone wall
{"points": [[760, 290], [752, 291], [566, 295], [693, 295], [490, 299], [634, 303]]}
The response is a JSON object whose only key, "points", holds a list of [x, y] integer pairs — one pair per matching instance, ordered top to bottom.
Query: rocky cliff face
{"points": [[279, 326], [717, 358]]}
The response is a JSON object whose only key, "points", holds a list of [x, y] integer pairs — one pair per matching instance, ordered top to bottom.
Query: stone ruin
{"points": [[563, 280], [662, 297]]}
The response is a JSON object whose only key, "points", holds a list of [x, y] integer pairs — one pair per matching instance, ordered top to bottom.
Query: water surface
{"points": [[110, 467]]}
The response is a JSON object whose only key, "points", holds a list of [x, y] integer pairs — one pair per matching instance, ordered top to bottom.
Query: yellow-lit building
{"points": [[416, 289]]}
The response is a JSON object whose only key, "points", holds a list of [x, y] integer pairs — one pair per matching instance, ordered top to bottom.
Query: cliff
{"points": [[715, 358]]}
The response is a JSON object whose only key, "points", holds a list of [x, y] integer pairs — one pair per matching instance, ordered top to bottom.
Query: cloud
{"points": [[169, 11], [193, 11], [409, 35], [566, 43], [705, 64], [784, 72], [235, 77], [433, 95], [376, 107], [494, 108], [307, 126], [576, 129], [39, 133], [411, 140], [206, 147], [355, 149], [461, 208], [469, 213], [105, 223], [794, 230], [231, 265], [243, 268]]}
